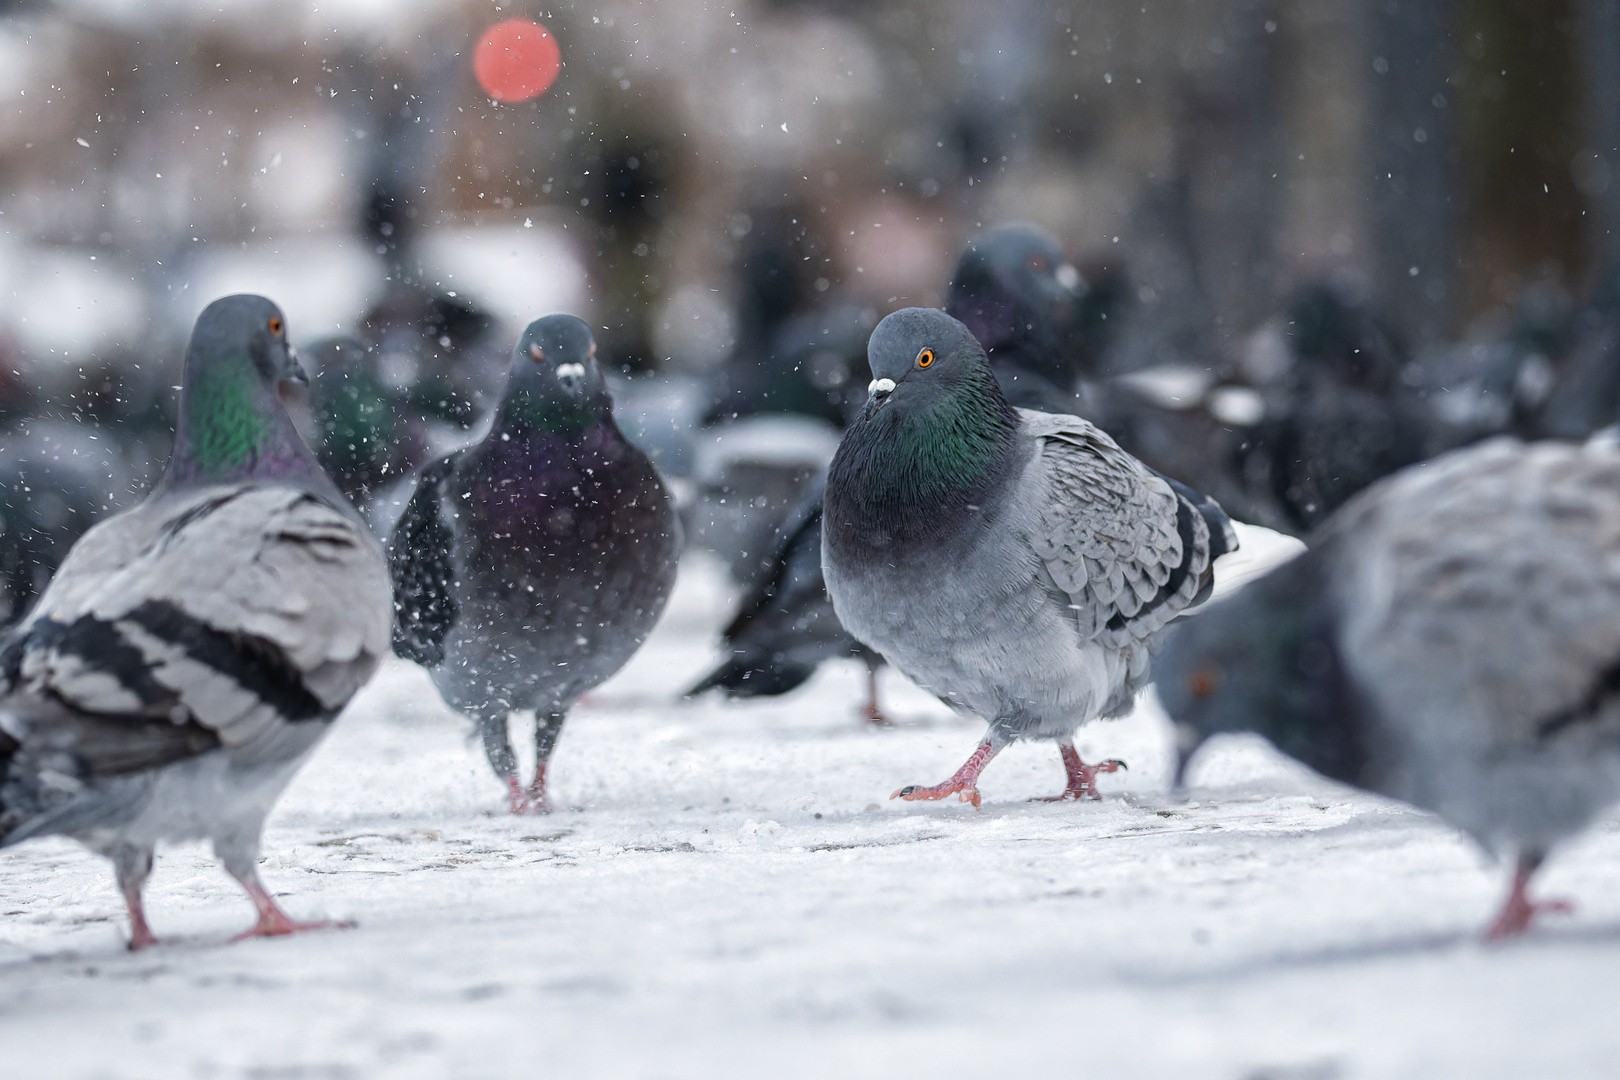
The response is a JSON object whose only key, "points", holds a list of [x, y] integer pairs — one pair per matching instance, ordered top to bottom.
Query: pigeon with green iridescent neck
{"points": [[354, 436], [1018, 564], [530, 567], [1451, 639], [191, 651]]}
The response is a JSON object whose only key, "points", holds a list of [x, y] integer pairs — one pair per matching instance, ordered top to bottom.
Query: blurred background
{"points": [[1419, 194]]}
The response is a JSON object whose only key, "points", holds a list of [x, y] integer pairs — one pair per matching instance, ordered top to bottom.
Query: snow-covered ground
{"points": [[733, 894]]}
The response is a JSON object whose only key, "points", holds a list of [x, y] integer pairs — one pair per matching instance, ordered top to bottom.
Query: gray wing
{"points": [[1128, 551], [421, 560], [1487, 583], [232, 612]]}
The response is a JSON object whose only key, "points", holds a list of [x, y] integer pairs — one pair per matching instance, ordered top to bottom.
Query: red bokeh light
{"points": [[517, 60]]}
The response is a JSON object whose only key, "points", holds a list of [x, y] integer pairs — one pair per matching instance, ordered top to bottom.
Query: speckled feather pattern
{"points": [[560, 550], [1037, 612], [1478, 613], [236, 618]]}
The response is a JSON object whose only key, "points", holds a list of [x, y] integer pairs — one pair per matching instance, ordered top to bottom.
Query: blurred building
{"points": [[1435, 156]]}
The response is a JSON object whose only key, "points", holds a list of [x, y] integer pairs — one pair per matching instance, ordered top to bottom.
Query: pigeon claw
{"points": [[1082, 777], [964, 791], [523, 801], [1519, 912], [279, 925], [140, 937]]}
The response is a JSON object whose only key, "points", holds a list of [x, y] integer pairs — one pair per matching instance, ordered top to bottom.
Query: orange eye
{"points": [[275, 327], [925, 358]]}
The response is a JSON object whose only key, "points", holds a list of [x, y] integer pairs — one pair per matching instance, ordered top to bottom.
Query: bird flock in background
{"points": [[1010, 515]]}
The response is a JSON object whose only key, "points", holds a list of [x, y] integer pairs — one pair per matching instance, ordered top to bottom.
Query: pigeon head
{"points": [[1019, 295], [922, 359], [556, 383], [232, 423], [936, 432], [1264, 660]]}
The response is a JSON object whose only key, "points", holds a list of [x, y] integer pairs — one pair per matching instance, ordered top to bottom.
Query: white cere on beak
{"points": [[1069, 277], [565, 372], [880, 386]]}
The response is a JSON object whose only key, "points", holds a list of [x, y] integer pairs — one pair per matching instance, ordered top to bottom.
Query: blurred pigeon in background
{"points": [[1019, 295], [441, 356], [1499, 379], [1584, 392], [1335, 418], [355, 437], [57, 478], [1015, 563], [530, 567], [785, 627], [1449, 639], [193, 650]]}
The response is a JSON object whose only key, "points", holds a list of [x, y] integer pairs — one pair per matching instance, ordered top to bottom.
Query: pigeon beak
{"points": [[1068, 277], [295, 370], [572, 377], [879, 389]]}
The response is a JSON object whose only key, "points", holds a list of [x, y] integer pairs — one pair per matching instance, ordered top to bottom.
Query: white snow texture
{"points": [[731, 893]]}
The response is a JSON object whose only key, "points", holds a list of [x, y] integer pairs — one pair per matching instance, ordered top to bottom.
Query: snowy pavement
{"points": [[732, 894]]}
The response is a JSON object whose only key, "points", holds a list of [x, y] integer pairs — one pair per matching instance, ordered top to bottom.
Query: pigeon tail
{"points": [[749, 675]]}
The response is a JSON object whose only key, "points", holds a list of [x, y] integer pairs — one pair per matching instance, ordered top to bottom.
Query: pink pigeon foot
{"points": [[1082, 777], [964, 784], [535, 799], [1519, 909], [273, 922]]}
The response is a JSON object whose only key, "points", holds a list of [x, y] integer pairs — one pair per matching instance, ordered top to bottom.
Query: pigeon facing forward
{"points": [[1016, 563], [530, 567], [1449, 640], [191, 651]]}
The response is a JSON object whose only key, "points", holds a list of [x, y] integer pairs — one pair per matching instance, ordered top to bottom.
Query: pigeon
{"points": [[1018, 294], [353, 414], [1338, 419], [57, 478], [1018, 564], [529, 567], [786, 627], [1449, 640], [192, 651]]}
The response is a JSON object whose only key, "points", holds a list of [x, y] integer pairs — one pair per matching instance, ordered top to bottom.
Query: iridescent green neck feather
{"points": [[542, 408], [224, 422], [914, 474]]}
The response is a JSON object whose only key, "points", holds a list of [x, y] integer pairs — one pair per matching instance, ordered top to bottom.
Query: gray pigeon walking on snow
{"points": [[1016, 563], [530, 567], [1451, 639], [191, 651]]}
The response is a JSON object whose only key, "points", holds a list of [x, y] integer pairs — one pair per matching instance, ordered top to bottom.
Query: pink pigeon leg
{"points": [[1082, 777], [965, 781], [536, 799], [1519, 909], [273, 922], [140, 934]]}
